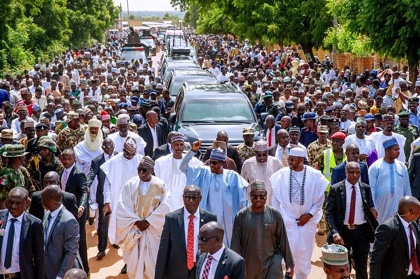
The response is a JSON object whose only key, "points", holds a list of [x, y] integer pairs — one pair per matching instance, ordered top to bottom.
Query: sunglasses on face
{"points": [[261, 155], [142, 170], [261, 197], [194, 198], [204, 239]]}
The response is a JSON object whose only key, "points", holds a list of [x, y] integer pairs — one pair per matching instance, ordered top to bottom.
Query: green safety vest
{"points": [[329, 165]]}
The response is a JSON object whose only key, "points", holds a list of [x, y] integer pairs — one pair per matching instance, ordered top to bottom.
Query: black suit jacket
{"points": [[146, 134], [161, 151], [232, 153], [95, 171], [339, 173], [412, 174], [77, 185], [336, 208], [36, 209], [31, 247], [389, 259], [171, 261], [231, 265]]}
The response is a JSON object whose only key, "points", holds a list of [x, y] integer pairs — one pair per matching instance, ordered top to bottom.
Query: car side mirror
{"points": [[172, 118]]}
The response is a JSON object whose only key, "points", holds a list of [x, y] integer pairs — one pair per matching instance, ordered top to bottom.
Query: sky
{"points": [[145, 5]]}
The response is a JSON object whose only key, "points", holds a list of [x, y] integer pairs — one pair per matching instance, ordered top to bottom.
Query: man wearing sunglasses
{"points": [[223, 190], [141, 214], [259, 236], [179, 243], [217, 261]]}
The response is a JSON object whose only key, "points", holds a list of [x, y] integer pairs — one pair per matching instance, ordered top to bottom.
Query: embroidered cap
{"points": [[177, 137], [389, 142], [130, 145], [261, 146], [297, 152], [218, 154], [147, 162], [257, 185], [334, 254]]}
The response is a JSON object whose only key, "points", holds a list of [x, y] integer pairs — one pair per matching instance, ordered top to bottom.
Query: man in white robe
{"points": [[123, 133], [261, 167], [167, 169], [118, 171], [223, 191], [298, 193], [141, 215]]}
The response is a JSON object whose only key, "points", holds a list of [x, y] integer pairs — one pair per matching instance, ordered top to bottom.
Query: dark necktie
{"points": [[352, 205], [47, 225], [190, 243], [9, 247], [413, 260]]}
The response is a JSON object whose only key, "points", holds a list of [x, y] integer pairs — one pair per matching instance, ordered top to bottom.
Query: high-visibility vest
{"points": [[329, 165]]}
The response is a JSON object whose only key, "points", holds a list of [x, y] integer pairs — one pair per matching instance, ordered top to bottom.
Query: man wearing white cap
{"points": [[123, 133], [261, 167], [167, 169], [388, 179], [223, 190], [298, 193], [336, 263]]}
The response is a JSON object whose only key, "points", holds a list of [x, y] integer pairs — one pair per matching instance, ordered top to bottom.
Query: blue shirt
{"points": [[4, 96], [414, 119], [306, 137]]}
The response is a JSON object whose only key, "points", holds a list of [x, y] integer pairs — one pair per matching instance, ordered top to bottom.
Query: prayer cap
{"points": [[21, 108], [35, 108], [59, 112], [369, 117], [388, 117], [123, 119], [362, 120], [94, 123], [29, 124], [294, 129], [323, 129], [6, 134], [339, 135], [177, 137], [389, 142], [130, 145], [261, 146], [297, 152], [218, 154], [147, 162], [257, 185], [334, 254]]}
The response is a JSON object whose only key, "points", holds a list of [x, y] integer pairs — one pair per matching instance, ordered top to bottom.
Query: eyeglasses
{"points": [[107, 146], [261, 155], [214, 162], [142, 170], [261, 197], [194, 198], [204, 239]]}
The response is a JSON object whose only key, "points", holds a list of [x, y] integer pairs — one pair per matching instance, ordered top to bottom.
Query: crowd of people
{"points": [[86, 139]]}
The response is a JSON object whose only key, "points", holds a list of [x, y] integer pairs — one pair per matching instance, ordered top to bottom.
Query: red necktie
{"points": [[269, 138], [352, 205], [190, 243], [413, 260]]}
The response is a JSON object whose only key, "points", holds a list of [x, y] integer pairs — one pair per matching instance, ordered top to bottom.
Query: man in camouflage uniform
{"points": [[409, 131], [74, 133], [316, 148], [246, 149], [45, 162], [14, 174]]}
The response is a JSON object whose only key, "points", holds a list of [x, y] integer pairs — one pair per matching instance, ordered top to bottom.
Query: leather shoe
{"points": [[115, 246], [100, 255], [124, 269]]}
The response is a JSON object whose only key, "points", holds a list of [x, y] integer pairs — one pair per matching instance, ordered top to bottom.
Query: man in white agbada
{"points": [[123, 133], [88, 149], [261, 167], [167, 169], [118, 171], [298, 193], [140, 217]]}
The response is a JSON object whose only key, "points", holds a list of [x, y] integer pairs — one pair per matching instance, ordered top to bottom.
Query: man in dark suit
{"points": [[151, 133], [164, 149], [231, 151], [413, 170], [339, 172], [74, 181], [69, 200], [103, 209], [351, 217], [61, 235], [179, 244], [396, 250], [27, 259], [229, 263]]}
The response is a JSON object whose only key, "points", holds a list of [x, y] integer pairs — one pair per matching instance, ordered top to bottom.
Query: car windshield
{"points": [[147, 42], [129, 55], [177, 83], [218, 110]]}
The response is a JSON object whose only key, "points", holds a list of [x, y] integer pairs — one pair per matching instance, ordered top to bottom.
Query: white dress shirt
{"points": [[154, 136], [273, 136], [65, 177], [54, 215], [359, 215], [196, 221], [407, 233], [214, 263], [15, 267]]}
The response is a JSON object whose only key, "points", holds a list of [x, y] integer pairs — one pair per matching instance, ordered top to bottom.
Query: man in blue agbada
{"points": [[388, 179], [223, 191]]}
